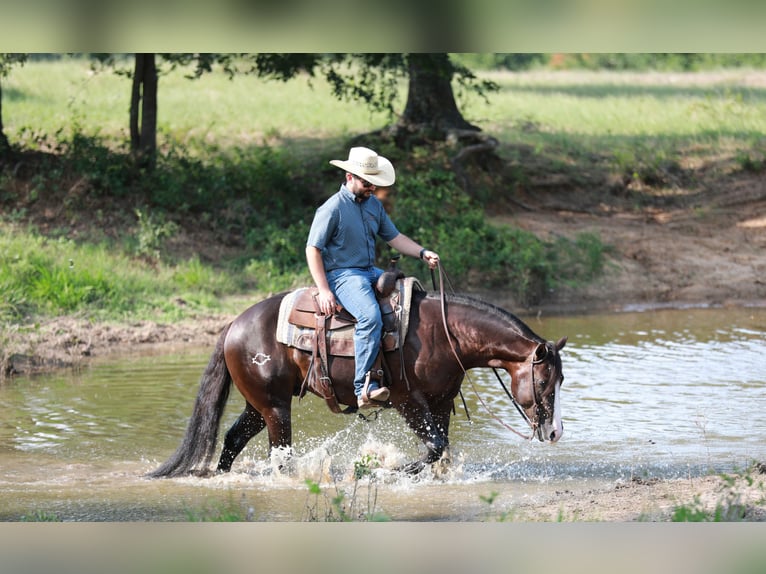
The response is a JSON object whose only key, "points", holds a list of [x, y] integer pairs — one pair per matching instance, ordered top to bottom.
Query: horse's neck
{"points": [[484, 334]]}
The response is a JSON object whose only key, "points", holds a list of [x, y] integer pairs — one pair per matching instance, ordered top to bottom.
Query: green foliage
{"points": [[495, 61], [668, 62], [676, 62], [753, 161], [250, 165], [440, 215], [153, 229], [40, 275], [269, 277], [365, 466], [489, 500], [343, 506], [731, 506], [230, 510], [40, 516]]}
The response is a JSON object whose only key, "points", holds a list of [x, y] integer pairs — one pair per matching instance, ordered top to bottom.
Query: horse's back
{"points": [[253, 330]]}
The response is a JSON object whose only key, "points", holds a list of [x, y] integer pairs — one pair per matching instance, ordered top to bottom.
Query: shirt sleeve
{"points": [[322, 228], [387, 229]]}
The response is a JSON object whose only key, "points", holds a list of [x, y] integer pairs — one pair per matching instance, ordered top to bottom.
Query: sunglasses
{"points": [[365, 183]]}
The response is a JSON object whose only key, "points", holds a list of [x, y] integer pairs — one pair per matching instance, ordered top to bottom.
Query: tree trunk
{"points": [[431, 105], [143, 109], [431, 114], [5, 146]]}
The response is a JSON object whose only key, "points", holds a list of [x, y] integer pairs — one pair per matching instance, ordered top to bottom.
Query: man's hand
{"points": [[431, 257], [326, 301]]}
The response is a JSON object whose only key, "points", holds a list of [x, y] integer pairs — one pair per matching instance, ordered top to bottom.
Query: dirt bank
{"points": [[702, 247], [733, 498]]}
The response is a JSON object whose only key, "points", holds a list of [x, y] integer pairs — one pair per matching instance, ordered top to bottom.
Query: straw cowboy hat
{"points": [[368, 165]]}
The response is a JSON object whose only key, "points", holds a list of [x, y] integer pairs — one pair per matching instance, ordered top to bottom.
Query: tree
{"points": [[6, 62], [144, 94], [430, 98], [143, 109], [431, 109], [430, 114]]}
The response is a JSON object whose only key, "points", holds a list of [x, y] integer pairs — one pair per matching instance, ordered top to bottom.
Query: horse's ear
{"points": [[560, 343], [541, 352]]}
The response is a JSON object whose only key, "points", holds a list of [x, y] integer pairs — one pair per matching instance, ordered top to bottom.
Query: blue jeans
{"points": [[353, 288]]}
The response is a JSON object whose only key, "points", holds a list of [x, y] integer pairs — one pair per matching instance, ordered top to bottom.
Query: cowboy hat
{"points": [[368, 165]]}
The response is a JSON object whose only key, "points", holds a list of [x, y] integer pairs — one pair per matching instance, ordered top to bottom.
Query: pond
{"points": [[662, 393]]}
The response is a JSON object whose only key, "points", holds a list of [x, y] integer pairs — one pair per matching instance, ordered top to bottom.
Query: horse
{"points": [[448, 335]]}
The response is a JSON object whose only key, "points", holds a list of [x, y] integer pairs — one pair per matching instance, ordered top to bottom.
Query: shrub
{"points": [[437, 213]]}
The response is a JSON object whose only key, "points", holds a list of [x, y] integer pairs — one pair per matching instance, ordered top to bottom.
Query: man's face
{"points": [[360, 187]]}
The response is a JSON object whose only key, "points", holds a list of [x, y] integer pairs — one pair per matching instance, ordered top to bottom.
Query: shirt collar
{"points": [[348, 194]]}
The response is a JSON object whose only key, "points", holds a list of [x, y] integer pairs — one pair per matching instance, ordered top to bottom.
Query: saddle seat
{"points": [[298, 316]]}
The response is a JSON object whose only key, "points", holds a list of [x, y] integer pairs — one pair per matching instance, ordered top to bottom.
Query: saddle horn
{"points": [[387, 281]]}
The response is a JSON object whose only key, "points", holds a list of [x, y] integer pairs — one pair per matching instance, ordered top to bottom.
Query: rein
{"points": [[533, 426]]}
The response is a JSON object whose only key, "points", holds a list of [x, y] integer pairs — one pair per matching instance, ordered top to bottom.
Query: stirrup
{"points": [[379, 395]]}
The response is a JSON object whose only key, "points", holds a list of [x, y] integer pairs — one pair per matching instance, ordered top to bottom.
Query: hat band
{"points": [[368, 166]]}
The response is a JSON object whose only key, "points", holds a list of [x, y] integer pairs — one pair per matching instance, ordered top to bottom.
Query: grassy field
{"points": [[45, 97], [592, 111], [630, 122], [255, 136]]}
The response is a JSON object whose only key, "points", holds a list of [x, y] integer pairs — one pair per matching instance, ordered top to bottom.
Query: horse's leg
{"points": [[417, 412], [441, 415], [279, 422], [249, 424]]}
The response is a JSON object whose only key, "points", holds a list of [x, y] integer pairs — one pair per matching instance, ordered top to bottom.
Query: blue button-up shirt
{"points": [[344, 230]]}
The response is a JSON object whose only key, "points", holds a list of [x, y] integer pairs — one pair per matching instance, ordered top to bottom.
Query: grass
{"points": [[43, 97], [592, 112], [629, 121], [53, 276], [733, 503]]}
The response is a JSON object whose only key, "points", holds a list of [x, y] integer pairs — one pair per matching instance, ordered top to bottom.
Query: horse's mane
{"points": [[516, 324]]}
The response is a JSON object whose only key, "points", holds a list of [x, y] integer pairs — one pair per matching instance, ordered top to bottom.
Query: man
{"points": [[340, 251]]}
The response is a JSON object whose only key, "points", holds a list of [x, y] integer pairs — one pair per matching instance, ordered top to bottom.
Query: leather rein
{"points": [[533, 425]]}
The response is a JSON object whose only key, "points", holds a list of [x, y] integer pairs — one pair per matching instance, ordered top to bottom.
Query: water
{"points": [[646, 394]]}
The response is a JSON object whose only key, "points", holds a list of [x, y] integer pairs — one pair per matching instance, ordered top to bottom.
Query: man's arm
{"points": [[407, 246], [325, 299]]}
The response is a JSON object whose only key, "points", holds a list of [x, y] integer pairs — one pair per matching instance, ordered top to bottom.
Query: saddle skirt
{"points": [[297, 321]]}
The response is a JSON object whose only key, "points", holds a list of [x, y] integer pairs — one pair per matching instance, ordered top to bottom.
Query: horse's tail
{"points": [[201, 436]]}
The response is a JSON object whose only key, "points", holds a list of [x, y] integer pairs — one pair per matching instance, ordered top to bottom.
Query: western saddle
{"points": [[332, 335]]}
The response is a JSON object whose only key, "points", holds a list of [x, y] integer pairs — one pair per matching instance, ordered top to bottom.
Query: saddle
{"points": [[303, 326]]}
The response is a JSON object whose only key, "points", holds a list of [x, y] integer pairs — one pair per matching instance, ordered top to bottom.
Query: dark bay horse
{"points": [[269, 374]]}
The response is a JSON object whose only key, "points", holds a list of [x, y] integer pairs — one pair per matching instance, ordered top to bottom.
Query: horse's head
{"points": [[536, 387]]}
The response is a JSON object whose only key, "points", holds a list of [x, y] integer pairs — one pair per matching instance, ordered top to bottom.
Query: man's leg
{"points": [[354, 290]]}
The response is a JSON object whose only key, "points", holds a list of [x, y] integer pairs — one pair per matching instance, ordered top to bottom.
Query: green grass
{"points": [[44, 97], [590, 111], [626, 121], [40, 275], [732, 503]]}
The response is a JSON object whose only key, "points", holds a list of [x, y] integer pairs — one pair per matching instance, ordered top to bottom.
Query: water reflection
{"points": [[664, 393]]}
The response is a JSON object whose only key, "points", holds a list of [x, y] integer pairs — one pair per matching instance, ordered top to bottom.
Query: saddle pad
{"points": [[341, 341]]}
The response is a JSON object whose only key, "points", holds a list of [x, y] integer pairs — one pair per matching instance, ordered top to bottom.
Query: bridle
{"points": [[536, 397], [534, 425]]}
